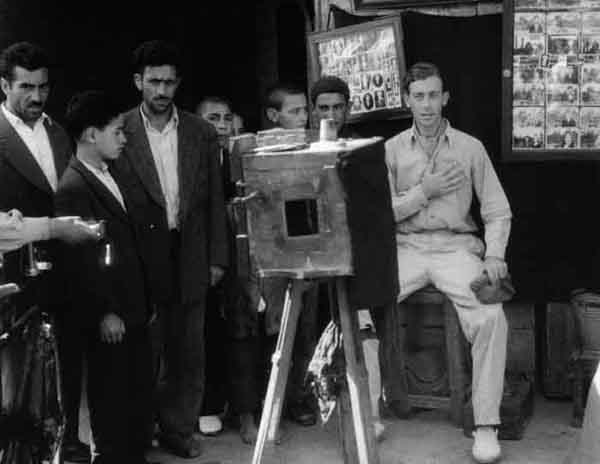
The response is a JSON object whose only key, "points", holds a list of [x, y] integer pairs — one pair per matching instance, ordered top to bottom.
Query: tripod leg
{"points": [[358, 386], [271, 413]]}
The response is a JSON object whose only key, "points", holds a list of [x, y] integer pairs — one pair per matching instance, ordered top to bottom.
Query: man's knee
{"points": [[491, 319]]}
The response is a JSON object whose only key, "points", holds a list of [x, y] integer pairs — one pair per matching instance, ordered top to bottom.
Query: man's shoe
{"points": [[302, 413], [210, 425], [248, 430], [183, 446], [486, 448], [76, 451]]}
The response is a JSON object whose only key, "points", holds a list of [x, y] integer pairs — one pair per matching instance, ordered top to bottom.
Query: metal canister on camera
{"points": [[327, 130]]}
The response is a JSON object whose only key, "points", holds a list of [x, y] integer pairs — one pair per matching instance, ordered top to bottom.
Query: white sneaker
{"points": [[210, 425], [486, 448]]}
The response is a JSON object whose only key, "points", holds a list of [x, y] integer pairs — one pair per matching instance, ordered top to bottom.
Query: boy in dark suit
{"points": [[108, 296]]}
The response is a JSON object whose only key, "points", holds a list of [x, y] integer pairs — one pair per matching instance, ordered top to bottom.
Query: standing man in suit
{"points": [[34, 151], [170, 166], [107, 285]]}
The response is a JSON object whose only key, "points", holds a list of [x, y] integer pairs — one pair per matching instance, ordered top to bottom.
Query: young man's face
{"points": [[158, 85], [27, 93], [426, 98], [332, 106], [293, 113], [221, 117], [110, 140]]}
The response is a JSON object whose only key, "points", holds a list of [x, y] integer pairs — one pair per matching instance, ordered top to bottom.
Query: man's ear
{"points": [[137, 80], [5, 85], [405, 98], [445, 98], [273, 115], [88, 135]]}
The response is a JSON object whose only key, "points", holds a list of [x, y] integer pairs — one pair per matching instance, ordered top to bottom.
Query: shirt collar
{"points": [[16, 120], [172, 124], [448, 134], [103, 169]]}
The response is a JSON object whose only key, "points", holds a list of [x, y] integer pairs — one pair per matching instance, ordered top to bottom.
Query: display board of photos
{"points": [[370, 58], [556, 75]]}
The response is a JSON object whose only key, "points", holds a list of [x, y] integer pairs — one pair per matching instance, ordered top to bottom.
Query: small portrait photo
{"points": [[591, 21], [564, 22], [531, 23], [562, 44], [590, 44], [528, 45], [590, 73], [529, 74], [563, 74], [377, 80], [365, 81], [528, 94], [562, 94], [590, 94], [379, 99], [368, 101], [356, 103], [562, 116], [528, 117], [590, 118], [528, 138], [562, 138], [590, 138]]}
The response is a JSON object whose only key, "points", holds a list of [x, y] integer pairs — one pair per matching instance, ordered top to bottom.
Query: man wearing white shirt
{"points": [[34, 151], [171, 171]]}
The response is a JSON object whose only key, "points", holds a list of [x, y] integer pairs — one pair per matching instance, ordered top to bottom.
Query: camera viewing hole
{"points": [[301, 217]]}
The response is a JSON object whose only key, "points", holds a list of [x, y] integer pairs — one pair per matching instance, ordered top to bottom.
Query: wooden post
{"points": [[358, 387]]}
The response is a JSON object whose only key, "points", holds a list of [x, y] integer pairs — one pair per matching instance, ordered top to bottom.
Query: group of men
{"points": [[158, 177]]}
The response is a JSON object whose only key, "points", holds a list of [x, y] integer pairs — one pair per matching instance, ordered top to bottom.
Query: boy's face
{"points": [[293, 113], [220, 116], [110, 140]]}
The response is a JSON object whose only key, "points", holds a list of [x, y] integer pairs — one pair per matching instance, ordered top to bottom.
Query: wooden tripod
{"points": [[357, 432]]}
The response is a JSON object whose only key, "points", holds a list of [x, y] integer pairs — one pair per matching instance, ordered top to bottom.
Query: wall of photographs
{"points": [[556, 75]]}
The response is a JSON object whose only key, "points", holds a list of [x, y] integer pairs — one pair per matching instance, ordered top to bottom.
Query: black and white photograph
{"points": [[564, 4], [524, 5], [563, 22], [590, 22], [531, 23], [529, 44], [563, 44], [590, 44], [590, 73], [563, 74], [528, 94], [564, 94], [590, 94], [562, 116], [532, 117], [528, 138], [558, 138]]}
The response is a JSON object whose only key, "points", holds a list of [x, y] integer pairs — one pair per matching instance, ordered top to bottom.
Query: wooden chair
{"points": [[420, 306]]}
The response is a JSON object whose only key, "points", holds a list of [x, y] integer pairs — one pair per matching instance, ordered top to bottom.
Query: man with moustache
{"points": [[34, 151], [433, 171], [171, 175]]}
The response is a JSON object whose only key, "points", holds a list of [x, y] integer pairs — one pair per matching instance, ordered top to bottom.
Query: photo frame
{"points": [[394, 4], [370, 58]]}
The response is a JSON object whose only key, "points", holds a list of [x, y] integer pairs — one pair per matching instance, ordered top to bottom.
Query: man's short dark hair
{"points": [[156, 53], [23, 54], [418, 72], [329, 84], [278, 91], [214, 100], [91, 108]]}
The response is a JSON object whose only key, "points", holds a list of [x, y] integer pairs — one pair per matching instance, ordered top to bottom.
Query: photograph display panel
{"points": [[370, 59], [556, 75]]}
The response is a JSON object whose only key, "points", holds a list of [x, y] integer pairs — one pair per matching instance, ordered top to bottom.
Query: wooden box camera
{"points": [[298, 222]]}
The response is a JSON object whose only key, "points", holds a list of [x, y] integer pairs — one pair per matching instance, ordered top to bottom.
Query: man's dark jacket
{"points": [[201, 210], [95, 289]]}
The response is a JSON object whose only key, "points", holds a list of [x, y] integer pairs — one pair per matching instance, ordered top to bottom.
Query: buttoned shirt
{"points": [[37, 142], [164, 151], [103, 175], [446, 216], [16, 231]]}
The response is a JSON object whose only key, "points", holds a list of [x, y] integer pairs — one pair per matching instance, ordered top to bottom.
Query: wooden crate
{"points": [[558, 345]]}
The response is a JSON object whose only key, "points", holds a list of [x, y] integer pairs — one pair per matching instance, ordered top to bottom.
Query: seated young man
{"points": [[330, 97], [433, 171], [106, 285]]}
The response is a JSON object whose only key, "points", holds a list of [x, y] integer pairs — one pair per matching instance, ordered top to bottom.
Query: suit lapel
{"points": [[17, 153], [61, 154], [140, 154], [188, 157], [103, 193]]}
